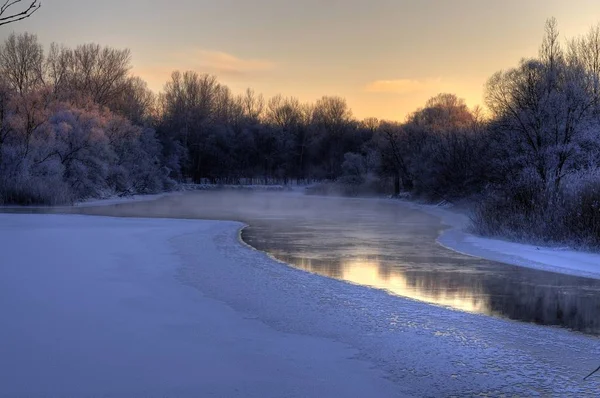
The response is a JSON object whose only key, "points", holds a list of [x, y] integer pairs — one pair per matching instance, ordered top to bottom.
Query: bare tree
{"points": [[10, 11], [585, 51], [22, 61], [58, 70], [100, 73], [136, 101], [253, 105], [285, 113], [442, 113], [333, 114], [370, 124], [394, 148]]}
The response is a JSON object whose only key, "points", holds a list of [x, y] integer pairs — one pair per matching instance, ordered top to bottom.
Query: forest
{"points": [[75, 123]]}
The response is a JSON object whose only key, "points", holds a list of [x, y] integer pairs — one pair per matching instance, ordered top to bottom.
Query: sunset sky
{"points": [[386, 57]]}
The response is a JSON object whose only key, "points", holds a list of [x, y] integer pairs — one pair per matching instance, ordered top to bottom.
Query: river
{"points": [[383, 244]]}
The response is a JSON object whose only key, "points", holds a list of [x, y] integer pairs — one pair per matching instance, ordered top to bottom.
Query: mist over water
{"points": [[380, 243]]}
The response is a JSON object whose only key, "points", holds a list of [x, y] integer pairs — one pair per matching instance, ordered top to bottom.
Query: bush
{"points": [[35, 191], [582, 209], [529, 211]]}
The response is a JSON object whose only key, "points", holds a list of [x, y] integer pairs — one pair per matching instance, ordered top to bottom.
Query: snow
{"points": [[235, 187], [124, 199], [100, 202], [560, 260], [99, 306]]}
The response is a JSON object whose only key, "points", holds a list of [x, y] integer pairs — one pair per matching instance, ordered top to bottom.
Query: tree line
{"points": [[75, 123]]}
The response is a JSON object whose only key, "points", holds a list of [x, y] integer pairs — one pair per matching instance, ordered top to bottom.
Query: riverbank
{"points": [[457, 237], [156, 307]]}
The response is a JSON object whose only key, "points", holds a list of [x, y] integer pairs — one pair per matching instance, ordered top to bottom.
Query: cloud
{"points": [[218, 63], [222, 63], [403, 86]]}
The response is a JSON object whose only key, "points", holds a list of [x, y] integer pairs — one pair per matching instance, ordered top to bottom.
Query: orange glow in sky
{"points": [[386, 57]]}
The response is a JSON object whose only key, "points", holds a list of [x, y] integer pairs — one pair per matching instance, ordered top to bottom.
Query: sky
{"points": [[386, 57]]}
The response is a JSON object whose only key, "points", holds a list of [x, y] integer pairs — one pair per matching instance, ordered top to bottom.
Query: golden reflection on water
{"points": [[370, 272]]}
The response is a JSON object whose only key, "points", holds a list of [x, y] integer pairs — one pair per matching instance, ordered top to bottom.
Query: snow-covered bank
{"points": [[236, 187], [124, 199], [99, 202], [565, 261], [93, 307], [138, 307]]}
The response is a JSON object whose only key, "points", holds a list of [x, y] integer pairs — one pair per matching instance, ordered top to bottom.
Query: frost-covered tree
{"points": [[544, 107], [544, 130], [82, 147], [56, 152], [136, 165]]}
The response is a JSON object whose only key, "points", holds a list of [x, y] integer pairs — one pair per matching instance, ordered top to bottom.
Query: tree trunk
{"points": [[397, 179]]}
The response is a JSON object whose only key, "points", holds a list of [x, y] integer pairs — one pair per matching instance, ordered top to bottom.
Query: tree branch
{"points": [[17, 16], [597, 369]]}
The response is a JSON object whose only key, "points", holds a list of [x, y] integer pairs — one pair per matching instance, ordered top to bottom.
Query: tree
{"points": [[9, 12], [585, 51], [22, 62], [58, 70], [99, 72], [136, 101], [191, 104], [252, 105], [544, 108], [285, 113], [442, 113], [332, 114], [292, 119], [333, 120], [370, 124], [450, 146], [397, 148]]}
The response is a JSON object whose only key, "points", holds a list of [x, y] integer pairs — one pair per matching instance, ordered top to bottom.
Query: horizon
{"points": [[356, 52]]}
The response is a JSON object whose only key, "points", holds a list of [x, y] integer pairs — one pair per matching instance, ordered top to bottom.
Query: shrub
{"points": [[529, 211]]}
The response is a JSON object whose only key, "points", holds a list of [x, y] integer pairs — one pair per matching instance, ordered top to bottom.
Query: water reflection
{"points": [[381, 244], [369, 271], [480, 287]]}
